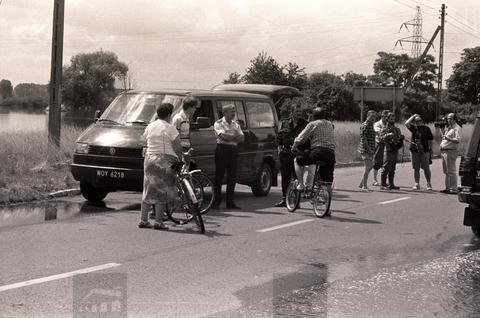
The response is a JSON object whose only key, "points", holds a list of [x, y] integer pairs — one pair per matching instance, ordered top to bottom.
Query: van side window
{"points": [[205, 110], [240, 113], [260, 115]]}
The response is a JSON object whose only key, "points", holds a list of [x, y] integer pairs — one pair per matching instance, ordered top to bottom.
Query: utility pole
{"points": [[440, 64], [56, 73]]}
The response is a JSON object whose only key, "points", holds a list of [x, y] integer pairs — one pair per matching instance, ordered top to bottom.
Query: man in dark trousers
{"points": [[289, 130], [229, 135], [393, 139]]}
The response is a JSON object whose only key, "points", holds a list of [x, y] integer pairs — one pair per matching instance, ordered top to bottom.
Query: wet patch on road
{"points": [[51, 211]]}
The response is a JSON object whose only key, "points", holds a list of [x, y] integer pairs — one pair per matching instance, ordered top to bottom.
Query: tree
{"points": [[395, 69], [264, 70], [295, 75], [233, 78], [352, 79], [89, 81], [464, 83], [6, 89], [329, 90]]}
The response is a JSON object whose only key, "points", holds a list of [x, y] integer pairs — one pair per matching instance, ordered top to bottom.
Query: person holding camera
{"points": [[451, 137], [393, 139], [420, 149]]}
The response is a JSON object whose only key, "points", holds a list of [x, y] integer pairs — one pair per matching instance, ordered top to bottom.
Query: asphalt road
{"points": [[51, 267]]}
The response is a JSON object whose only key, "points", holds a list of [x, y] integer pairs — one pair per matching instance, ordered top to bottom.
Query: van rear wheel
{"points": [[261, 186], [92, 193]]}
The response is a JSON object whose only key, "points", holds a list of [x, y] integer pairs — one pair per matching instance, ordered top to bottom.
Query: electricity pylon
{"points": [[416, 39]]}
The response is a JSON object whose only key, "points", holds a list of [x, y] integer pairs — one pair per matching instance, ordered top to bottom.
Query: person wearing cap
{"points": [[378, 127], [229, 134], [451, 137], [420, 149]]}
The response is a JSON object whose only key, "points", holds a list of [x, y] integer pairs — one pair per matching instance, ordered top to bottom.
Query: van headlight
{"points": [[81, 147]]}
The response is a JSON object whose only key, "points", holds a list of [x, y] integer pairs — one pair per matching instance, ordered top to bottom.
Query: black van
{"points": [[109, 154]]}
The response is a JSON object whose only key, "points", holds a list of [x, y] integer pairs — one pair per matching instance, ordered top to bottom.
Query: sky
{"points": [[196, 44]]}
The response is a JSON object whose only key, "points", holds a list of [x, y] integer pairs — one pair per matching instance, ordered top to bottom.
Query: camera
{"points": [[441, 123]]}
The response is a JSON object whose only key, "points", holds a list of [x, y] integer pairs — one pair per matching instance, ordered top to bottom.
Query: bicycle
{"points": [[202, 185], [319, 194], [186, 206]]}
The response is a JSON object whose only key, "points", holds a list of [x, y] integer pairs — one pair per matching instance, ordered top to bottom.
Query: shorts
{"points": [[319, 154], [420, 160]]}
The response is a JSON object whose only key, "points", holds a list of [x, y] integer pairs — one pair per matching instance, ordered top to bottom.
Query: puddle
{"points": [[34, 213], [24, 214]]}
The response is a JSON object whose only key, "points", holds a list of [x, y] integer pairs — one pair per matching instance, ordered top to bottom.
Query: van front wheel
{"points": [[261, 186], [92, 193]]}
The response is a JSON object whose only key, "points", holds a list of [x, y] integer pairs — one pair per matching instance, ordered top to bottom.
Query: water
{"points": [[12, 121]]}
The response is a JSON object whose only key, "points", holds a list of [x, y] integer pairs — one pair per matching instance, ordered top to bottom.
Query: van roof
{"points": [[273, 91], [200, 92]]}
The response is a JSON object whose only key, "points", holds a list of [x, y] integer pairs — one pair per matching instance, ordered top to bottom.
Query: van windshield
{"points": [[137, 108]]}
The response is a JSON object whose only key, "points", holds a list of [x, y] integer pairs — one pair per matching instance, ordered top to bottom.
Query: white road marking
{"points": [[395, 200], [273, 228], [56, 277]]}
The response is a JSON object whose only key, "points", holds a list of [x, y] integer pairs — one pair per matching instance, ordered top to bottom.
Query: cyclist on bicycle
{"points": [[319, 133]]}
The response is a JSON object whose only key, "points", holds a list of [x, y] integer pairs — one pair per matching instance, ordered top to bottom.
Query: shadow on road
{"points": [[333, 217]]}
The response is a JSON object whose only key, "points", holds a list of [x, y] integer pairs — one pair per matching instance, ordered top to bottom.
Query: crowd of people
{"points": [[381, 140], [302, 143]]}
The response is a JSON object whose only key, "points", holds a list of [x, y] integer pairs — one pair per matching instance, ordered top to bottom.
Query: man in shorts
{"points": [[420, 149]]}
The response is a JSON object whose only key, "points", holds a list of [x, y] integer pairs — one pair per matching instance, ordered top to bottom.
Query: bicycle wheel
{"points": [[204, 185], [292, 196], [321, 201], [193, 207], [177, 210]]}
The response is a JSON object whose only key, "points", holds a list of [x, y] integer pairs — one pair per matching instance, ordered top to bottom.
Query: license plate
{"points": [[114, 174]]}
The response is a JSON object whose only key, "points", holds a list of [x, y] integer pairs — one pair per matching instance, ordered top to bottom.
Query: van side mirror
{"points": [[97, 115], [202, 122]]}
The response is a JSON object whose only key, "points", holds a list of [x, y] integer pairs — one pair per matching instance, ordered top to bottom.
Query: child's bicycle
{"points": [[319, 194], [186, 206]]}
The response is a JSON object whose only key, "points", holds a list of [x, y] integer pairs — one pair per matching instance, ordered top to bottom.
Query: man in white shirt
{"points": [[229, 135], [451, 138]]}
